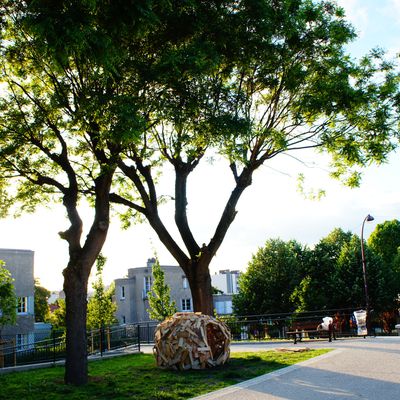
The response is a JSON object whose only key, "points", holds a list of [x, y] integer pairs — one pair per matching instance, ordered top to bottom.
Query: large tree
{"points": [[271, 77], [82, 81], [62, 122]]}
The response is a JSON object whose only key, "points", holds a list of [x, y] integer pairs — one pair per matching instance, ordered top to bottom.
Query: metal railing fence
{"points": [[249, 327], [99, 341]]}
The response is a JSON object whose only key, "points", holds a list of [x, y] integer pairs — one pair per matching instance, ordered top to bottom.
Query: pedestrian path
{"points": [[356, 369]]}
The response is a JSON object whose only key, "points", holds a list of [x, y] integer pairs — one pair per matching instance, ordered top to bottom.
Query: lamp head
{"points": [[370, 218]]}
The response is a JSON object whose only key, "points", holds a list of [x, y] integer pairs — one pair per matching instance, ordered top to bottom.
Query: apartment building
{"points": [[20, 265], [225, 281], [131, 292]]}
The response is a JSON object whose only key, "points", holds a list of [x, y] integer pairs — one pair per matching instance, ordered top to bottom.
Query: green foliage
{"points": [[252, 80], [151, 82], [310, 194], [385, 240], [330, 276], [271, 277], [318, 287], [216, 290], [8, 300], [160, 303], [41, 306], [101, 308], [57, 317]]}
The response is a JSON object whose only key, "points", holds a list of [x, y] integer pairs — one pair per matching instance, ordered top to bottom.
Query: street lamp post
{"points": [[368, 218]]}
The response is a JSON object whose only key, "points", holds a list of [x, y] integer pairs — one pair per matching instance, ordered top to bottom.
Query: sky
{"points": [[271, 208]]}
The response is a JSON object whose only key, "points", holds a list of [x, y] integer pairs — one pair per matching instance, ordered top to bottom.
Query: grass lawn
{"points": [[136, 377]]}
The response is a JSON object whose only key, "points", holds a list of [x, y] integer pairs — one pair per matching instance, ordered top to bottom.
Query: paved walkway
{"points": [[356, 369]]}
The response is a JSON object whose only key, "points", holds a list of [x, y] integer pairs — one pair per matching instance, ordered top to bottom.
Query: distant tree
{"points": [[385, 240], [272, 275], [284, 277], [333, 277], [383, 286], [318, 288], [216, 290], [8, 301], [160, 303], [41, 305], [101, 307], [58, 317]]}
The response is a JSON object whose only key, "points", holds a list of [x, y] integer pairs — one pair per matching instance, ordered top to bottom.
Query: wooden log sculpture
{"points": [[191, 341]]}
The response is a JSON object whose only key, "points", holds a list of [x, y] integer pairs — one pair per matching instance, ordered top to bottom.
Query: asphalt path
{"points": [[357, 368]]}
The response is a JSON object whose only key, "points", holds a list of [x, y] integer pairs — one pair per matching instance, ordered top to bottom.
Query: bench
{"points": [[301, 329]]}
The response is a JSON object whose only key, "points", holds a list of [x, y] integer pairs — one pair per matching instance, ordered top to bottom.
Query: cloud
{"points": [[357, 13]]}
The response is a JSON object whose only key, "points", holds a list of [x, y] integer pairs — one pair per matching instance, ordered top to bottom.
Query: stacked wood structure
{"points": [[191, 341]]}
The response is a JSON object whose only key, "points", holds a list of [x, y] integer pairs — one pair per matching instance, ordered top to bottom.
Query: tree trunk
{"points": [[199, 279], [75, 288]]}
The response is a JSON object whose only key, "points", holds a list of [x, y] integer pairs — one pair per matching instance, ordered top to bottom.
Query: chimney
{"points": [[150, 262]]}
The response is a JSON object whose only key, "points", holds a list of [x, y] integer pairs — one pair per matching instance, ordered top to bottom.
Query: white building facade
{"points": [[225, 281]]}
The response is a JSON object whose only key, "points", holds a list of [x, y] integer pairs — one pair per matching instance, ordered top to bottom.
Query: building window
{"points": [[185, 282], [147, 284], [122, 292], [22, 305], [186, 305], [223, 307], [123, 319], [21, 341]]}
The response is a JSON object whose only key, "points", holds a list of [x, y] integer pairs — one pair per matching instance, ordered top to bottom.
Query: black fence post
{"points": [[138, 336], [101, 341], [54, 347]]}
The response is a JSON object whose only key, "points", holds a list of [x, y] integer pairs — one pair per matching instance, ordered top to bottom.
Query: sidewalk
{"points": [[357, 369]]}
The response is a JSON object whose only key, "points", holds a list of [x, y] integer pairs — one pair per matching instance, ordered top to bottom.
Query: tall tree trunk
{"points": [[76, 276], [200, 285], [75, 288]]}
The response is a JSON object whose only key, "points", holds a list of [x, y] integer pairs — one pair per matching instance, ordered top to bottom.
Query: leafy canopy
{"points": [[255, 79], [385, 240], [271, 277], [284, 277]]}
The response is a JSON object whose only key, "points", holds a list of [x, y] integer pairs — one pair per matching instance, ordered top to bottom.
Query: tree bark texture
{"points": [[195, 259], [76, 277], [199, 279], [75, 288]]}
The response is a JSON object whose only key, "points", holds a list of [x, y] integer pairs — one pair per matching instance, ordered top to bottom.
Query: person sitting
{"points": [[327, 325]]}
